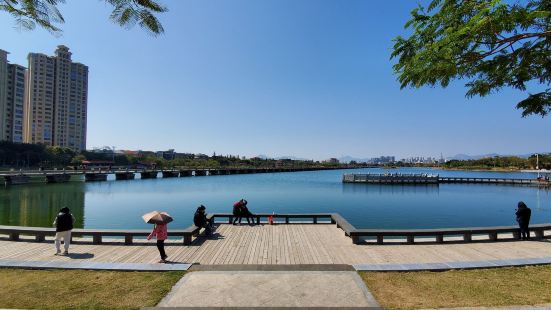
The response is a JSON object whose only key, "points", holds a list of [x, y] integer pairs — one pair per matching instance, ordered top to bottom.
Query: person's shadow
{"points": [[80, 255], [168, 262]]}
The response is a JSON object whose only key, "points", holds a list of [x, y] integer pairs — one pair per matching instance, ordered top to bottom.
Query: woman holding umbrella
{"points": [[160, 219]]}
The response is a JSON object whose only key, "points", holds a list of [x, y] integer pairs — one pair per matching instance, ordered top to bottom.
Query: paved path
{"points": [[280, 245], [270, 289]]}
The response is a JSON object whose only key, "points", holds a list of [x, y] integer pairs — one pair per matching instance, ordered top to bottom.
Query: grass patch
{"points": [[461, 288], [83, 289]]}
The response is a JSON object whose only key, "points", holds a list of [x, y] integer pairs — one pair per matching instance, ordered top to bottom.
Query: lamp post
{"points": [[538, 164]]}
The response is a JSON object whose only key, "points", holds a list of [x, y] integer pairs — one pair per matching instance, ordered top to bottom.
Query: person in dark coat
{"points": [[246, 213], [523, 218], [200, 220], [63, 226]]}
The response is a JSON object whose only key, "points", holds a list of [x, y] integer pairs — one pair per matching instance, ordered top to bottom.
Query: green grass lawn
{"points": [[461, 288], [83, 289]]}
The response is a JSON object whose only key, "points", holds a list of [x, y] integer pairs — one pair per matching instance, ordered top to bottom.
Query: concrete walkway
{"points": [[333, 289]]}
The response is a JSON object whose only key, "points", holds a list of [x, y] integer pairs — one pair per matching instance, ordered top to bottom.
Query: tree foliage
{"points": [[46, 14], [491, 43], [502, 162]]}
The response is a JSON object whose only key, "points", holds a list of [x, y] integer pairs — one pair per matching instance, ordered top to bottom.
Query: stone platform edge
{"points": [[517, 262], [94, 266], [305, 267]]}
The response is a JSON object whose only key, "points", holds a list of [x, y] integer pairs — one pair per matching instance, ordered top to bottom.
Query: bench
{"points": [[314, 217], [466, 232], [97, 235]]}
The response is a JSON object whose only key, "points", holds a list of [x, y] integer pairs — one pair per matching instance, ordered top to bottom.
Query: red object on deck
{"points": [[271, 220]]}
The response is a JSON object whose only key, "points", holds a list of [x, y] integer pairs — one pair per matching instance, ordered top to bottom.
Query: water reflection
{"points": [[385, 189], [38, 204]]}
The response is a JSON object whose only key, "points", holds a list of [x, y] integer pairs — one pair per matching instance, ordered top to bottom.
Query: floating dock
{"points": [[391, 178], [423, 178]]}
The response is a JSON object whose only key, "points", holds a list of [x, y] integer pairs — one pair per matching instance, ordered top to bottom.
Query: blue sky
{"points": [[308, 78]]}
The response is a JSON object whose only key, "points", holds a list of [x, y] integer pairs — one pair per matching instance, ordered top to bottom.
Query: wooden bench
{"points": [[314, 217], [467, 233], [187, 234], [97, 235]]}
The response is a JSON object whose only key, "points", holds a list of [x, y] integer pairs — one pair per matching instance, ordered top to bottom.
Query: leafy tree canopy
{"points": [[46, 14], [491, 43]]}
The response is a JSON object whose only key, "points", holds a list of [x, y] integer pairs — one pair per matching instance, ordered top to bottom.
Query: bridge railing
{"points": [[115, 169]]}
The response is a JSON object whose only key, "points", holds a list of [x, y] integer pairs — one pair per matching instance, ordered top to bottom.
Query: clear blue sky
{"points": [[309, 78]]}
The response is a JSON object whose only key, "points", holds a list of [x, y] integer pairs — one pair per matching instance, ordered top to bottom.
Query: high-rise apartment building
{"points": [[12, 90], [3, 91], [56, 100], [15, 102]]}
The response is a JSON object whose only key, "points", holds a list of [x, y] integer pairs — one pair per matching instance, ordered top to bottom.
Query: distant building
{"points": [[3, 91], [12, 94], [15, 102], [56, 105], [168, 155], [184, 156], [201, 156], [382, 160], [420, 160], [333, 161]]}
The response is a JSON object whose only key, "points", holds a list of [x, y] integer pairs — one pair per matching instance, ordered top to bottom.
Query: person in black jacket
{"points": [[246, 213], [523, 218], [200, 220], [63, 226]]}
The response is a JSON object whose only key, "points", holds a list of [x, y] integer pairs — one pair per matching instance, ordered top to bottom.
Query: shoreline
{"points": [[496, 170]]}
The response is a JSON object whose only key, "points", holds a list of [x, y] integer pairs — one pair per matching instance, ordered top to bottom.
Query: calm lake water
{"points": [[120, 204]]}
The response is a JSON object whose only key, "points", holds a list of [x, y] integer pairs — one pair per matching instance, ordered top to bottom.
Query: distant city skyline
{"points": [[309, 79]]}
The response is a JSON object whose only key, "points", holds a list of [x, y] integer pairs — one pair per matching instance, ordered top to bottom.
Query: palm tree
{"points": [[45, 13]]}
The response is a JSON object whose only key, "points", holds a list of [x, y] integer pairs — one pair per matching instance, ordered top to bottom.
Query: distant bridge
{"points": [[99, 174]]}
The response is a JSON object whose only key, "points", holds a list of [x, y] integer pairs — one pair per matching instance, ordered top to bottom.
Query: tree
{"points": [[45, 13], [491, 43]]}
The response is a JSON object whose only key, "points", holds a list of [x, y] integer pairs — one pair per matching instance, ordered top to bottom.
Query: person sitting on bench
{"points": [[200, 220]]}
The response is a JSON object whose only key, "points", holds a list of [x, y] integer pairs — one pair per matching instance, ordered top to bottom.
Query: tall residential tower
{"points": [[12, 90], [3, 91], [56, 100]]}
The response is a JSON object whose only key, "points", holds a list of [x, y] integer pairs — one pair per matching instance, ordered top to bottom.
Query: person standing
{"points": [[523, 218], [63, 223], [160, 232]]}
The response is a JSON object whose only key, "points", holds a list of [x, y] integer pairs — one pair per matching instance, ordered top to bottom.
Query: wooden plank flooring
{"points": [[277, 244]]}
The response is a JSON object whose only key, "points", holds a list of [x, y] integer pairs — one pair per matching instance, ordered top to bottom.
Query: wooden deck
{"points": [[277, 244]]}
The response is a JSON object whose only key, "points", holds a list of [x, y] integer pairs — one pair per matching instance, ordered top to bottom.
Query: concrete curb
{"points": [[455, 265], [93, 266], [298, 267]]}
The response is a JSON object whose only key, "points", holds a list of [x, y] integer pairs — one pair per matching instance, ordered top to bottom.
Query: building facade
{"points": [[3, 91], [12, 92], [56, 100], [15, 103]]}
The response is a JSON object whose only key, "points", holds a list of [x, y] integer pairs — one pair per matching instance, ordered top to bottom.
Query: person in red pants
{"points": [[160, 232]]}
